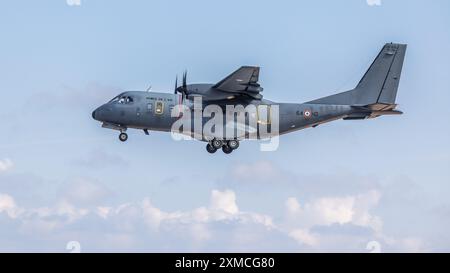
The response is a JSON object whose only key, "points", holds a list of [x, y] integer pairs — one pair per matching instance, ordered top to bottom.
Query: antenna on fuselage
{"points": [[148, 89]]}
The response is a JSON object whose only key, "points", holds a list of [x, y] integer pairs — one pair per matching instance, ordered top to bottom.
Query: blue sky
{"points": [[333, 188]]}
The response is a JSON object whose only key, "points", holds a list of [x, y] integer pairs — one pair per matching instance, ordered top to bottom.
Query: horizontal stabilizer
{"points": [[373, 111]]}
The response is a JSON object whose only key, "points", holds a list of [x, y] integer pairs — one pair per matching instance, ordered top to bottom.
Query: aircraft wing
{"points": [[242, 81]]}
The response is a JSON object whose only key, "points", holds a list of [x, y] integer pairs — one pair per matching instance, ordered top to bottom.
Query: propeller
{"points": [[183, 88]]}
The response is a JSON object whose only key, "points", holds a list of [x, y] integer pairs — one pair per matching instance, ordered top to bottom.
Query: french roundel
{"points": [[307, 113]]}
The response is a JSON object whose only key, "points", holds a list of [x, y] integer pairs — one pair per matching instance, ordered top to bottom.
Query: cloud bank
{"points": [[325, 223]]}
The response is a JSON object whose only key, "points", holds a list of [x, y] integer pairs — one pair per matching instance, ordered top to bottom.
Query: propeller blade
{"points": [[176, 84], [184, 84]]}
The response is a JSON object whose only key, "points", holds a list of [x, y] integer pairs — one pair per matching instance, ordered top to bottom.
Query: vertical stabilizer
{"points": [[379, 84]]}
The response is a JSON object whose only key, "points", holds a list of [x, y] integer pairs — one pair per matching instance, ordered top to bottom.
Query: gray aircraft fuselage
{"points": [[374, 96], [139, 115]]}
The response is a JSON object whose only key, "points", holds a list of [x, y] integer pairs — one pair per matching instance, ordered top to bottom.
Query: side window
{"points": [[159, 108]]}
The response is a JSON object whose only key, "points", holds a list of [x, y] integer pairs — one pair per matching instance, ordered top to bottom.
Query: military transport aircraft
{"points": [[374, 96]]}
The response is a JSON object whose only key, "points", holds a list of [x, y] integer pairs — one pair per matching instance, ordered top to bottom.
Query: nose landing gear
{"points": [[123, 137]]}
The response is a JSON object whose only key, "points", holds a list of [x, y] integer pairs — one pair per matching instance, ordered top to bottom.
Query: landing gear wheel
{"points": [[123, 137], [216, 143], [233, 144], [210, 149], [226, 149]]}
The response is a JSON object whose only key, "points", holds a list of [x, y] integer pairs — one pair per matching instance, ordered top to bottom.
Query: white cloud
{"points": [[73, 2], [373, 2], [6, 165], [224, 201], [8, 205], [292, 205], [222, 207], [329, 210], [332, 210], [103, 211], [71, 212], [153, 215], [332, 220], [126, 225], [303, 236]]}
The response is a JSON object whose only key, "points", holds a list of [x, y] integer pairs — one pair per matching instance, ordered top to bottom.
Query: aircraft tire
{"points": [[123, 137], [217, 143], [233, 144], [210, 149], [226, 149]]}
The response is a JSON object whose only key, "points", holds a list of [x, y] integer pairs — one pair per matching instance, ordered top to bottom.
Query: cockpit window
{"points": [[115, 99], [124, 99]]}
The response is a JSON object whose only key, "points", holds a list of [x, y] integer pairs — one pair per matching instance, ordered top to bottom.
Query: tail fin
{"points": [[379, 84]]}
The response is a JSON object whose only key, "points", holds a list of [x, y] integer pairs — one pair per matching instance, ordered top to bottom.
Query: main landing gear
{"points": [[227, 146], [210, 149]]}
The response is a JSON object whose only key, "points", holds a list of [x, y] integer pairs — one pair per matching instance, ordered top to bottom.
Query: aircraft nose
{"points": [[96, 114]]}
